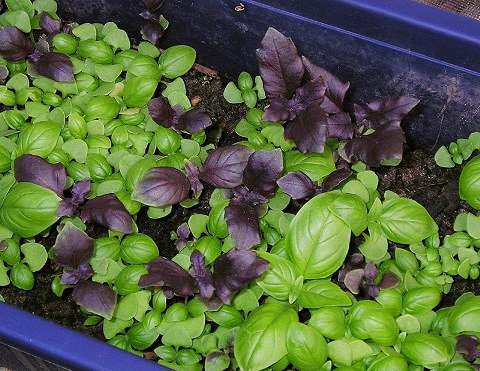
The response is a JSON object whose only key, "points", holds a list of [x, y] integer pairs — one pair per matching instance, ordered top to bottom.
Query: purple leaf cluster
{"points": [[152, 30], [15, 46], [307, 97], [310, 100], [191, 121], [386, 142], [252, 177], [299, 186], [105, 210], [183, 233], [72, 251], [231, 272], [366, 278], [467, 346]]}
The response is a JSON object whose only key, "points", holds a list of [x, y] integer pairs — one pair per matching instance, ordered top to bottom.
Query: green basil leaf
{"points": [[25, 5], [49, 6], [18, 19], [85, 31], [118, 39], [177, 61], [108, 73], [138, 91], [232, 94], [38, 139], [315, 165], [29, 209], [406, 221], [318, 240], [35, 255], [279, 278], [323, 293], [115, 326], [265, 326], [306, 347]]}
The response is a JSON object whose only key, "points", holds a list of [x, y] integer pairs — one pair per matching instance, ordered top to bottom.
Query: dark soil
{"points": [[418, 177]]}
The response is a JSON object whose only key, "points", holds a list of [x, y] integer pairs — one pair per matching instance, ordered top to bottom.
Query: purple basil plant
{"points": [[15, 46], [310, 101], [106, 210], [72, 251], [231, 272]]}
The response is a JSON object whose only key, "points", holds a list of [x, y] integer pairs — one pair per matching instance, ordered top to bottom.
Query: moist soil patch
{"points": [[417, 177]]}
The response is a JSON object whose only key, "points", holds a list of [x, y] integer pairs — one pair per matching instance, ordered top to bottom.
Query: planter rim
{"points": [[63, 346]]}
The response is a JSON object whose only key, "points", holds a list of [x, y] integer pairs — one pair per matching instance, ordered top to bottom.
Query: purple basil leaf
{"points": [[153, 5], [147, 15], [49, 25], [153, 31], [14, 45], [280, 65], [55, 66], [336, 89], [282, 109], [277, 110], [388, 110], [161, 111], [360, 113], [193, 121], [340, 126], [309, 130], [386, 143], [224, 166], [34, 169], [262, 171], [193, 175], [336, 178], [297, 185], [161, 187], [80, 190], [243, 195], [67, 208], [107, 210], [243, 225], [183, 232], [3, 246], [72, 248], [355, 259], [234, 270], [370, 272], [166, 273], [202, 276], [72, 277], [353, 280], [389, 280], [372, 291], [96, 298], [467, 346]]}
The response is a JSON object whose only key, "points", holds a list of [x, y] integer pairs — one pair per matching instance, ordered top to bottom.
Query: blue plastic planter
{"points": [[383, 47]]}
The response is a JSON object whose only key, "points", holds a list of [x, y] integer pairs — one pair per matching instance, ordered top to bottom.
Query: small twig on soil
{"points": [[205, 70]]}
